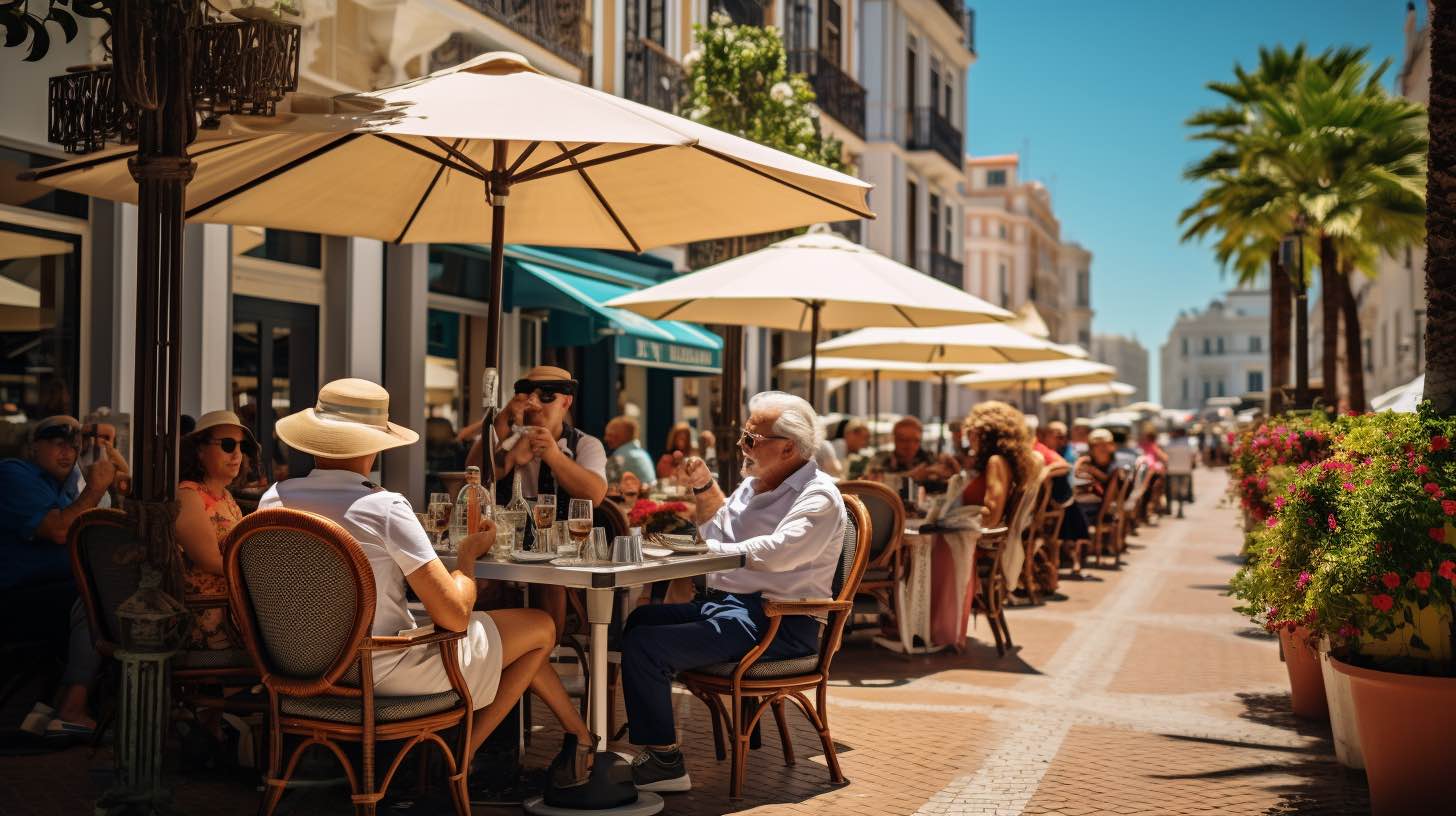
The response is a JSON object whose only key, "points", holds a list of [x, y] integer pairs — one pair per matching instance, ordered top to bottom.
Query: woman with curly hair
{"points": [[1001, 458]]}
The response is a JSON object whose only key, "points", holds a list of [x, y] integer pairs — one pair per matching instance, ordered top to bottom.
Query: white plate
{"points": [[656, 552], [532, 557], [578, 562]]}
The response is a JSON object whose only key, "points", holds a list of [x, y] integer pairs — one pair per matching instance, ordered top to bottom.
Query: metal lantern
{"points": [[244, 66], [86, 111], [151, 621]]}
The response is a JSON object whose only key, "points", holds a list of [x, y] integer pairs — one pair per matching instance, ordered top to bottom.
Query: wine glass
{"points": [[439, 512], [543, 514], [579, 521]]}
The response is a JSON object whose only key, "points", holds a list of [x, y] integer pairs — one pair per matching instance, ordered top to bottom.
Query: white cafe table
{"points": [[600, 581]]}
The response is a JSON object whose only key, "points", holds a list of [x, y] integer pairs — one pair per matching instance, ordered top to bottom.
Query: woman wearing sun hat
{"points": [[211, 459], [503, 653]]}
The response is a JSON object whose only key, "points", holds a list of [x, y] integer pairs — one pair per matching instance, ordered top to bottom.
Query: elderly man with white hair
{"points": [[787, 518]]}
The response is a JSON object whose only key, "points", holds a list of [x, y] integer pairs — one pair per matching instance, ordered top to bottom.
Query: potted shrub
{"points": [[1265, 457], [1370, 531]]}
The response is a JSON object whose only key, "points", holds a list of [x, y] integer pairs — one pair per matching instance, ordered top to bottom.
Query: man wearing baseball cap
{"points": [[40, 496]]}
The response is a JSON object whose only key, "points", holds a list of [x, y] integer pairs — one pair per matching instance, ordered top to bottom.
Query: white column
{"points": [[406, 291], [353, 303], [206, 312]]}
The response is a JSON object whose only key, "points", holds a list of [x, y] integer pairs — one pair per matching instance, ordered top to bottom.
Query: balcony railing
{"points": [[556, 25], [653, 77], [836, 92], [931, 131], [707, 253], [946, 269]]}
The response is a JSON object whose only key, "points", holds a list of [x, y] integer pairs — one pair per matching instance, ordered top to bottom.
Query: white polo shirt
{"points": [[385, 526], [792, 536]]}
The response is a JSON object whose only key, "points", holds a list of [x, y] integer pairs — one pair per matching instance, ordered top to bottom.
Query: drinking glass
{"points": [[543, 512], [439, 513], [579, 521], [596, 550]]}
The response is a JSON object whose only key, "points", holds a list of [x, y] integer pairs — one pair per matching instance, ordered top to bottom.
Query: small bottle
{"points": [[469, 506], [517, 511]]}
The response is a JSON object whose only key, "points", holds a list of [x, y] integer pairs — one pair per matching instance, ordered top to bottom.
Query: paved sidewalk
{"points": [[1142, 692]]}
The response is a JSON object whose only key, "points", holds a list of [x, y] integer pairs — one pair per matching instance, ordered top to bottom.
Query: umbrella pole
{"points": [[500, 188], [814, 308], [875, 401], [944, 401], [730, 407]]}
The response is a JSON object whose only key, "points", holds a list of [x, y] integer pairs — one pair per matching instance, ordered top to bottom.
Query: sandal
{"points": [[573, 765], [582, 779]]}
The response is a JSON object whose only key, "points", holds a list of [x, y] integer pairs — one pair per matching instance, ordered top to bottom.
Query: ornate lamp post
{"points": [[1301, 313]]}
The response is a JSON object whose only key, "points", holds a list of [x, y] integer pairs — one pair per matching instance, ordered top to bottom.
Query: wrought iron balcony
{"points": [[560, 26], [968, 29], [653, 77], [836, 92], [931, 131], [707, 253], [946, 269]]}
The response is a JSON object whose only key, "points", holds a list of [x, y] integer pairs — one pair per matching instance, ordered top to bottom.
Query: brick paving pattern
{"points": [[1140, 693]]}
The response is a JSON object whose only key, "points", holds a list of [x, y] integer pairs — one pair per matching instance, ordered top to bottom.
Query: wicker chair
{"points": [[1131, 500], [887, 524], [1106, 526], [1033, 539], [106, 561], [997, 562], [1048, 562], [303, 592], [770, 683]]}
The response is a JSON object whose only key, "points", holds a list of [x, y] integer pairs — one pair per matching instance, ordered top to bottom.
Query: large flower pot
{"points": [[1306, 682], [1344, 728], [1408, 735]]}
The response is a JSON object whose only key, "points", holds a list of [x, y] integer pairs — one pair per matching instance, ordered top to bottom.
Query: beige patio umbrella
{"points": [[445, 157], [24, 245], [817, 281], [984, 344], [873, 370], [1044, 375], [1078, 393]]}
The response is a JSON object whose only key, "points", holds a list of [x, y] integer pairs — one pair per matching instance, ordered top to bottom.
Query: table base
{"points": [[647, 804]]}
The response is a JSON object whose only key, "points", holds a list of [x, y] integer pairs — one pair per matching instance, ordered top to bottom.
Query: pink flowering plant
{"points": [[1267, 456], [1360, 547]]}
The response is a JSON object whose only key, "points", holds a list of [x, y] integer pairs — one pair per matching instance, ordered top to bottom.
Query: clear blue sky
{"points": [[1093, 95]]}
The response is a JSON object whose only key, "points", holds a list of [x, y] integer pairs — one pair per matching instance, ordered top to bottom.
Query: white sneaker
{"points": [[36, 721]]}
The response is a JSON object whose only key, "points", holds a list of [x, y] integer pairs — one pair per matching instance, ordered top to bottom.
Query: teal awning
{"points": [[576, 289]]}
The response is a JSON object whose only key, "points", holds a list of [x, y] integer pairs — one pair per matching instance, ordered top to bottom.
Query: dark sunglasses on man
{"points": [[547, 390]]}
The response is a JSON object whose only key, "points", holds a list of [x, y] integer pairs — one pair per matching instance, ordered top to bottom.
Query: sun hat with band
{"points": [[351, 418], [223, 419]]}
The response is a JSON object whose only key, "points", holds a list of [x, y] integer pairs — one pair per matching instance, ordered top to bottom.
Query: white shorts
{"points": [[421, 671]]}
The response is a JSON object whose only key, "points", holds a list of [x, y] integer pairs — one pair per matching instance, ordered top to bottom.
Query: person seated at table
{"points": [[1081, 429], [620, 437], [98, 439], [1054, 442], [679, 445], [852, 448], [708, 449], [551, 455], [1126, 455], [909, 457], [1001, 459], [211, 460], [1095, 469], [40, 496], [787, 518], [503, 652]]}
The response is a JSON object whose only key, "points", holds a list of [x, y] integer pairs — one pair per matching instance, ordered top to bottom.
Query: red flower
{"points": [[1439, 443], [1422, 470], [1433, 488], [1448, 507], [1333, 525], [1438, 533], [1447, 570], [1390, 579], [1422, 580], [1382, 602]]}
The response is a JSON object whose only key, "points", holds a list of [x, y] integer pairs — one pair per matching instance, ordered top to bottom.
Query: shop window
{"points": [[287, 246], [39, 329]]}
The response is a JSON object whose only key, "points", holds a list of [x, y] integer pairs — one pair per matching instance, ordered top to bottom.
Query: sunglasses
{"points": [[547, 390], [749, 440], [228, 444]]}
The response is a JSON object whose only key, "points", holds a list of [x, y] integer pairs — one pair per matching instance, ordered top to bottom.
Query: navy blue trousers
{"points": [[663, 639]]}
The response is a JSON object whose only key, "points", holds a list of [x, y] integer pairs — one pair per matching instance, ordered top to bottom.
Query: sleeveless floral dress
{"points": [[211, 629]]}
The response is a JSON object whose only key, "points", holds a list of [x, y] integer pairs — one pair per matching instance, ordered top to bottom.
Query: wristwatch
{"points": [[698, 491]]}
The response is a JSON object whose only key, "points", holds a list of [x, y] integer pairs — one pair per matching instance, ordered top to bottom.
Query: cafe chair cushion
{"points": [[767, 669], [350, 710]]}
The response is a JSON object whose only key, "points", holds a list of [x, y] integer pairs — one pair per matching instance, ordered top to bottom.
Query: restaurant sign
{"points": [[659, 354]]}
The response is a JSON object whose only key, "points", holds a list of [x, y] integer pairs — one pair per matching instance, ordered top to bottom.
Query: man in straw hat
{"points": [[504, 652]]}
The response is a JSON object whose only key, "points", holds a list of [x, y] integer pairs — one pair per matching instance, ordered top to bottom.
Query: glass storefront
{"points": [[40, 285], [274, 373]]}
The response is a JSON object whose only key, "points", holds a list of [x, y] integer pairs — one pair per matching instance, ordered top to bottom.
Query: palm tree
{"points": [[1441, 216], [1247, 245]]}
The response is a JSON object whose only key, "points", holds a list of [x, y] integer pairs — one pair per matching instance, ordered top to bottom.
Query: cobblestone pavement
{"points": [[1141, 692]]}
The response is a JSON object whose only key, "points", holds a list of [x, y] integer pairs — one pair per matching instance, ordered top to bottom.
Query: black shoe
{"points": [[660, 773], [570, 786]]}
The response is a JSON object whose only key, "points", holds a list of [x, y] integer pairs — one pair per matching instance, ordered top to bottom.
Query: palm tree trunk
{"points": [[1441, 216], [1280, 295], [1330, 324], [1301, 333], [1354, 346]]}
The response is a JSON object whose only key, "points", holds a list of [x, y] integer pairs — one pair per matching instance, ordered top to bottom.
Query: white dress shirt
{"points": [[385, 526], [792, 535]]}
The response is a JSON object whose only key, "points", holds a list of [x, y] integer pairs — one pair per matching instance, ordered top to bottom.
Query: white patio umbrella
{"points": [[442, 159], [817, 281], [984, 344], [873, 370], [1047, 374], [1077, 393]]}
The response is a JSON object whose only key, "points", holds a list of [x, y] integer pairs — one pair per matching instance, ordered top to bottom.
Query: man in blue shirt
{"points": [[621, 438], [40, 496]]}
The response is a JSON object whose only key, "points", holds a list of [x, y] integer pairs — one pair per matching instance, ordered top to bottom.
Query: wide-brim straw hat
{"points": [[224, 419], [350, 419]]}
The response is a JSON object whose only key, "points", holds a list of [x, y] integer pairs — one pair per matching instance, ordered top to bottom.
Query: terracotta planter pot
{"points": [[1306, 683], [1343, 727], [1408, 735]]}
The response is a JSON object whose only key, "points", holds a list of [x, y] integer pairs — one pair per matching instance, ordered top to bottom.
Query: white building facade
{"points": [[1219, 351], [1128, 356]]}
